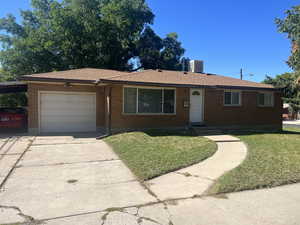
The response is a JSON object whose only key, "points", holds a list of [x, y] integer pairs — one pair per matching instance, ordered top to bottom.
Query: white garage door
{"points": [[67, 112]]}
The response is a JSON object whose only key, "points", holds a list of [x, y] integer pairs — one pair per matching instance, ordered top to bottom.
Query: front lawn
{"points": [[156, 152], [273, 159]]}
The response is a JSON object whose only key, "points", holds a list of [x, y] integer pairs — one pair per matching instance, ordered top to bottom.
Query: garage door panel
{"points": [[65, 112]]}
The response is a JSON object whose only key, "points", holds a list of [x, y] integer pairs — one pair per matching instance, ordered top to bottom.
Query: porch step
{"points": [[206, 130]]}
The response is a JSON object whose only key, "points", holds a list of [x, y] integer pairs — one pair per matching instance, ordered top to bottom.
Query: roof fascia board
{"points": [[57, 80], [153, 84], [186, 85], [247, 88]]}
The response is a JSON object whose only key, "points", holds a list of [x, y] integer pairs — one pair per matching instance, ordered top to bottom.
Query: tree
{"points": [[291, 26], [69, 34], [73, 34], [149, 47], [172, 52], [157, 53], [288, 82], [14, 99]]}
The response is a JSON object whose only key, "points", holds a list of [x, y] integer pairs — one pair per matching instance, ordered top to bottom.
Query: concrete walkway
{"points": [[196, 179]]}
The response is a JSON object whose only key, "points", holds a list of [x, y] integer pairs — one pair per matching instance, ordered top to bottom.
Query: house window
{"points": [[232, 98], [265, 99], [149, 100]]}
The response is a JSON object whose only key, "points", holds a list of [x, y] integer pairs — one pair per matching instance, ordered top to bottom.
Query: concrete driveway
{"points": [[61, 176], [66, 180]]}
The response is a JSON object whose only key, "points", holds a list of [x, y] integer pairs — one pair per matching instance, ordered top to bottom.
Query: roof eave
{"points": [[44, 79], [107, 81], [248, 88]]}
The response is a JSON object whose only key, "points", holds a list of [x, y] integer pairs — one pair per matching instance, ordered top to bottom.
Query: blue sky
{"points": [[227, 35]]}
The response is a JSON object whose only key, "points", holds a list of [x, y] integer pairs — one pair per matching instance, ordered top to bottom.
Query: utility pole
{"points": [[241, 73]]}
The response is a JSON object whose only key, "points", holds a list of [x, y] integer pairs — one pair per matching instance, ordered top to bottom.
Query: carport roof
{"points": [[147, 77], [12, 87]]}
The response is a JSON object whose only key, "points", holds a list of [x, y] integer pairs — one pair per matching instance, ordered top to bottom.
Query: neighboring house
{"points": [[90, 99]]}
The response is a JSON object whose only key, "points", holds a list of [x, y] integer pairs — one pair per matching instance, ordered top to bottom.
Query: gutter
{"points": [[57, 80], [185, 85]]}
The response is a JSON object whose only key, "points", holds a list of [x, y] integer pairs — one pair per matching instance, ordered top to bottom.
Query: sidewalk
{"points": [[196, 179]]}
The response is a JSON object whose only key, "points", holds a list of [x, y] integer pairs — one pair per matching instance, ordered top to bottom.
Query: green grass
{"points": [[156, 152], [273, 159]]}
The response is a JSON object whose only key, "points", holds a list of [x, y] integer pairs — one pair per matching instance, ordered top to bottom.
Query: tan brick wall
{"points": [[33, 89], [215, 113], [120, 120]]}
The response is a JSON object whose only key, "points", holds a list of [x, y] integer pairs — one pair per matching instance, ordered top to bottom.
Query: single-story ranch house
{"points": [[86, 100]]}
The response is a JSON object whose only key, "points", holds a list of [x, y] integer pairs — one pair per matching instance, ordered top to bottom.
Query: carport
{"points": [[10, 87], [10, 91]]}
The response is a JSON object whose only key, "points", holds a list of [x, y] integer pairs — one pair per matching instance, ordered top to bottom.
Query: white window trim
{"points": [[233, 91], [265, 92], [137, 102]]}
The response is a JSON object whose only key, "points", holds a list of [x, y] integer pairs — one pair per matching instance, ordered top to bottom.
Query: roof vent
{"points": [[196, 66], [159, 70], [185, 72]]}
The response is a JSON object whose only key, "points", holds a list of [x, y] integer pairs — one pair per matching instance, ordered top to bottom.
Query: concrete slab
{"points": [[221, 138], [67, 139], [15, 147], [70, 153], [228, 156], [6, 163], [95, 173], [174, 185], [60, 190], [68, 199], [275, 206], [157, 213], [10, 216], [119, 218], [89, 219]]}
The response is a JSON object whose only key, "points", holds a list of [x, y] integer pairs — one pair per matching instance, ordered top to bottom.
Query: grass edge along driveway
{"points": [[156, 152], [272, 160]]}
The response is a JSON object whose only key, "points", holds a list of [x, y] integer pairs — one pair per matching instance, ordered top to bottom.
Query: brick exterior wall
{"points": [[33, 111], [215, 113], [248, 114], [120, 120]]}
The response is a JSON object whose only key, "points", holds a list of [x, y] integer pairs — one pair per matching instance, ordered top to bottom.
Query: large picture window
{"points": [[232, 98], [265, 99], [149, 100]]}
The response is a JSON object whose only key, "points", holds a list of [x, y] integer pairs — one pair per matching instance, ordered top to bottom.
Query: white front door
{"points": [[196, 105], [67, 112]]}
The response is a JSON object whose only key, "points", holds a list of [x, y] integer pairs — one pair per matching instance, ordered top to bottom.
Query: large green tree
{"points": [[290, 25], [70, 34], [73, 34], [157, 53], [288, 82]]}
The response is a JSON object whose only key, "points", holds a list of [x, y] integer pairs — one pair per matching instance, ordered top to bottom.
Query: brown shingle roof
{"points": [[81, 75], [148, 77], [165, 77]]}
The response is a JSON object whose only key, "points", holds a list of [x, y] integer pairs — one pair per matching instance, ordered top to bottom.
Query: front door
{"points": [[196, 105]]}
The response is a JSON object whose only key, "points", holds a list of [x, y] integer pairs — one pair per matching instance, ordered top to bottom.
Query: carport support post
{"points": [[108, 91]]}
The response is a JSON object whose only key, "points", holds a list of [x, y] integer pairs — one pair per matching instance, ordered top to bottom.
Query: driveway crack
{"points": [[27, 218]]}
